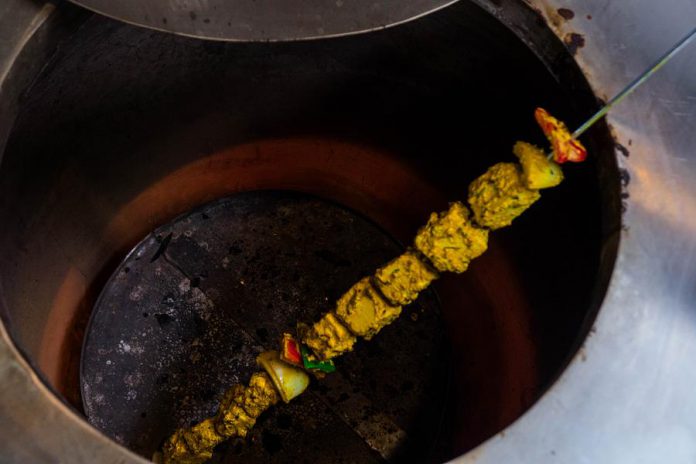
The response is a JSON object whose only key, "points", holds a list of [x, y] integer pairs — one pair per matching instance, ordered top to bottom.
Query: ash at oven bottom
{"points": [[185, 314]]}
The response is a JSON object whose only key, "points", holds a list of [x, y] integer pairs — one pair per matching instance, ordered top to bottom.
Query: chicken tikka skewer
{"points": [[447, 243]]}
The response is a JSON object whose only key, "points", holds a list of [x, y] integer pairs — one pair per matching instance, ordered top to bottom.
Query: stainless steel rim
{"points": [[272, 20], [627, 395]]}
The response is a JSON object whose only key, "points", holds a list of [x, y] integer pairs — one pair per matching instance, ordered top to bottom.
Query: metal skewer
{"points": [[676, 48], [636, 82]]}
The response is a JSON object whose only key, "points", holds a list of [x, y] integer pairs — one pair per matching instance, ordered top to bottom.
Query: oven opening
{"points": [[171, 206]]}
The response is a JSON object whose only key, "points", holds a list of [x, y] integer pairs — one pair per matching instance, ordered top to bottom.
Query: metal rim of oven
{"points": [[275, 20], [627, 394]]}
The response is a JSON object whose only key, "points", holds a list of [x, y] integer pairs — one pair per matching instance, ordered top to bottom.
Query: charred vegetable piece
{"points": [[565, 147], [538, 172], [499, 196], [450, 240], [403, 278], [363, 310], [328, 337], [291, 350], [311, 362], [289, 380]]}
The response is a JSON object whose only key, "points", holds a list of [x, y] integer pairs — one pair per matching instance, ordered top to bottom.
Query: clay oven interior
{"points": [[125, 129]]}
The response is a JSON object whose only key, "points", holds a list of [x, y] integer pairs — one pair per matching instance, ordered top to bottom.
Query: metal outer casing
{"points": [[269, 20], [628, 394], [29, 411]]}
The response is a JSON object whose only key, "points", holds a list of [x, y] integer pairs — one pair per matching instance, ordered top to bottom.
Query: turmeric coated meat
{"points": [[499, 196], [450, 240], [401, 279], [364, 311], [328, 337], [238, 411], [193, 445]]}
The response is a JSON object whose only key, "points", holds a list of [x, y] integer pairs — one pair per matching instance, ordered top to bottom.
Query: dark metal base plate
{"points": [[186, 313]]}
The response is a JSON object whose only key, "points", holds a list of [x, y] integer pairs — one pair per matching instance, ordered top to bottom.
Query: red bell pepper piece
{"points": [[565, 147], [291, 350]]}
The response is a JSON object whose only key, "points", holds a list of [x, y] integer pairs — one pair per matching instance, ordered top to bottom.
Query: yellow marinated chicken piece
{"points": [[538, 172], [499, 196], [450, 240], [403, 278], [363, 310], [328, 337], [259, 396], [238, 411], [232, 419], [193, 445]]}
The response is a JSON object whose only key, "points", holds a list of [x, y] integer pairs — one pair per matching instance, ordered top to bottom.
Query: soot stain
{"points": [[566, 13], [573, 41], [623, 150], [625, 177], [332, 258], [164, 319], [262, 333], [284, 421], [271, 442]]}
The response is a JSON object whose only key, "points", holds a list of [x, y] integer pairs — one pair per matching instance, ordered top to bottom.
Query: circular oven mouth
{"points": [[126, 129]]}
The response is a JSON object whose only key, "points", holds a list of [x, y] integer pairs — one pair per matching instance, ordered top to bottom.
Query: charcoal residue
{"points": [[332, 258], [163, 319], [284, 421], [271, 442]]}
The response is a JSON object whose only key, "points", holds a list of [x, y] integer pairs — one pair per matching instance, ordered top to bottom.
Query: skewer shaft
{"points": [[636, 82]]}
